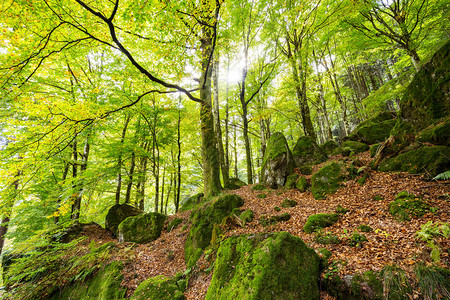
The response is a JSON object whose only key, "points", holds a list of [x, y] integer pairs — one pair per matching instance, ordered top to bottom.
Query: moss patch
{"points": [[372, 132], [437, 134], [329, 147], [355, 147], [373, 150], [307, 152], [432, 160], [291, 181], [326, 181], [235, 183], [258, 187], [192, 202], [288, 203], [404, 209], [117, 214], [247, 216], [266, 220], [203, 221], [318, 221], [174, 224], [142, 228], [365, 228], [265, 266], [158, 288]]}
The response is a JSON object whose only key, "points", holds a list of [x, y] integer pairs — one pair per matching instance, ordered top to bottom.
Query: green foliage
{"points": [[443, 176], [326, 181], [262, 196], [288, 203], [267, 221], [318, 221], [174, 224], [365, 228], [430, 232], [326, 238], [357, 240], [433, 282], [396, 284], [159, 288]]}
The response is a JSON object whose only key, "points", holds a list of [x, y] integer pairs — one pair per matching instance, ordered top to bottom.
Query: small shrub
{"points": [[365, 228], [429, 233], [326, 238], [357, 240]]}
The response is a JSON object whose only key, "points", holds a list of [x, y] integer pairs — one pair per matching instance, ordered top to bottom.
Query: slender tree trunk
{"points": [[227, 119], [218, 130], [119, 161], [236, 174], [130, 178], [63, 179], [163, 183], [168, 193], [177, 198], [76, 207], [4, 224]]}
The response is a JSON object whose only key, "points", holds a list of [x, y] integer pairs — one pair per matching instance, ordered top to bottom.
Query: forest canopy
{"points": [[147, 102]]}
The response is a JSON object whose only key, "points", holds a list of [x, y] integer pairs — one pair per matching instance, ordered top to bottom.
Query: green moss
{"points": [[379, 118], [375, 132], [437, 134], [276, 146], [329, 146], [356, 147], [373, 149], [307, 152], [431, 160], [305, 170], [290, 181], [326, 181], [361, 181], [235, 183], [302, 184], [258, 187], [405, 195], [262, 196], [378, 198], [192, 202], [288, 203], [276, 208], [404, 209], [341, 210], [247, 216], [266, 220], [203, 221], [318, 221], [174, 224], [142, 228], [365, 228], [326, 238], [357, 240], [324, 252], [265, 266], [104, 285], [158, 288]]}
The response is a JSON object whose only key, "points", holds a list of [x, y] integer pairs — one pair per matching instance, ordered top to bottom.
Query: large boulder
{"points": [[374, 130], [437, 134], [307, 152], [278, 162], [327, 180], [235, 183], [192, 202], [117, 214], [204, 220], [141, 228], [265, 266], [158, 288]]}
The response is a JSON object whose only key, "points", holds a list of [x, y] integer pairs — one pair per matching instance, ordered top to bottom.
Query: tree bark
{"points": [[119, 160]]}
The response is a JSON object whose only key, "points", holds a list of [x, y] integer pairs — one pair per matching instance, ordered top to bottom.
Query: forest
{"points": [[142, 140]]}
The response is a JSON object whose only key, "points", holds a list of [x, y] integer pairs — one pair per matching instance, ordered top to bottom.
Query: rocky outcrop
{"points": [[307, 152], [278, 162], [326, 181], [117, 214], [142, 228]]}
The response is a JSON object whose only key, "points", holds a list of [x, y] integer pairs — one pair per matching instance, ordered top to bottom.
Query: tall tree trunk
{"points": [[227, 119], [218, 130], [210, 158], [119, 160], [236, 174], [130, 178], [63, 179], [163, 183], [168, 193], [177, 198], [76, 207], [4, 224]]}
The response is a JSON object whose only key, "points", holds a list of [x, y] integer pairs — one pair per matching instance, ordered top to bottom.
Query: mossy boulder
{"points": [[427, 97], [374, 130], [437, 134], [329, 146], [354, 147], [373, 149], [307, 152], [431, 160], [277, 163], [327, 180], [291, 181], [235, 183], [302, 184], [258, 187], [192, 202], [288, 203], [405, 208], [117, 214], [247, 216], [272, 220], [203, 221], [318, 221], [174, 224], [142, 228], [265, 266], [103, 285], [158, 288]]}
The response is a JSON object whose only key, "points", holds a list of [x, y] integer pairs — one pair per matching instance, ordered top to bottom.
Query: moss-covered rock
{"points": [[427, 98], [374, 130], [437, 134], [329, 147], [355, 147], [373, 149], [307, 152], [431, 160], [278, 162], [305, 170], [291, 181], [326, 181], [235, 183], [302, 184], [258, 187], [192, 202], [288, 203], [404, 209], [117, 214], [247, 216], [271, 220], [203, 221], [318, 221], [174, 224], [142, 228], [326, 238], [265, 266], [103, 285], [366, 286], [158, 288]]}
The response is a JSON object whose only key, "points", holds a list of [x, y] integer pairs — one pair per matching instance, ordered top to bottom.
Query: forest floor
{"points": [[391, 241]]}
